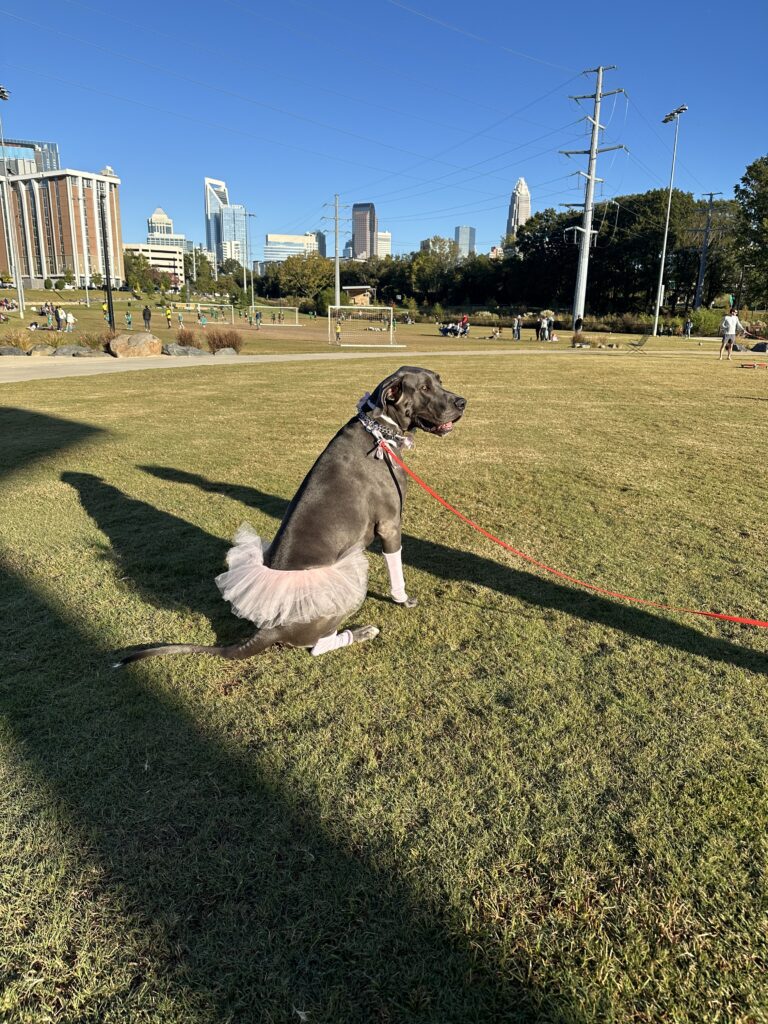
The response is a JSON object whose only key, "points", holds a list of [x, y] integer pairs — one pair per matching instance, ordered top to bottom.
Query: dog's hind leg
{"points": [[357, 635]]}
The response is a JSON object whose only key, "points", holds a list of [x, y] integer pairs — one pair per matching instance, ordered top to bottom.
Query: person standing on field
{"points": [[147, 315], [168, 316], [129, 320], [729, 328]]}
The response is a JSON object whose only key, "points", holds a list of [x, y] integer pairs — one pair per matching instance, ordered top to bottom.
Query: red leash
{"points": [[556, 572]]}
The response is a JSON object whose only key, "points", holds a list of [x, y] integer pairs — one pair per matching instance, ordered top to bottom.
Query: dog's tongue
{"points": [[445, 427]]}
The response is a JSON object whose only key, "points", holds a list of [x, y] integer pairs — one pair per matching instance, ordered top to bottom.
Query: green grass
{"points": [[311, 335], [520, 803]]}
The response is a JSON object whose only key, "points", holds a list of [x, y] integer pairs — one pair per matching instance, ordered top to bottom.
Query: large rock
{"points": [[140, 343], [172, 348], [10, 350], [41, 350], [71, 350], [225, 352], [87, 353]]}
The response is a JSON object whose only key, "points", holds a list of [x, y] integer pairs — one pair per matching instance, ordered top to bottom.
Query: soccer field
{"points": [[522, 802]]}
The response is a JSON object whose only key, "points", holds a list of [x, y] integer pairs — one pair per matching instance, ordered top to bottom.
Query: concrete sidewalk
{"points": [[16, 369]]}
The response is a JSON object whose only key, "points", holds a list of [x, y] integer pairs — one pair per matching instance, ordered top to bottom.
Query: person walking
{"points": [[168, 316], [147, 317], [180, 317], [61, 319], [129, 320], [70, 322], [687, 327], [729, 328], [338, 332]]}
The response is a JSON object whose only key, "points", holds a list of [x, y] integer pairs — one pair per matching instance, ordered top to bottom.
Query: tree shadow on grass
{"points": [[464, 566], [243, 903]]}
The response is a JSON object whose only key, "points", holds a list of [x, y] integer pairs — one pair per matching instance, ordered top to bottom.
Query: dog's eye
{"points": [[425, 387]]}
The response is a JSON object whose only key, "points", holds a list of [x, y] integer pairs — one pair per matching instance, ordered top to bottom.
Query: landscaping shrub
{"points": [[48, 284], [707, 321], [18, 336], [185, 336], [223, 337], [90, 339]]}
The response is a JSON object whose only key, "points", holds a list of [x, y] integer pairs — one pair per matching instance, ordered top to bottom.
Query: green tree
{"points": [[752, 228], [433, 269], [138, 273], [305, 276], [97, 280], [47, 284]]}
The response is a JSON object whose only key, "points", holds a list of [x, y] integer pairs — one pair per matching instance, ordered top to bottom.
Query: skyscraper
{"points": [[216, 198], [519, 207], [224, 223], [365, 229], [160, 232], [464, 237], [384, 243]]}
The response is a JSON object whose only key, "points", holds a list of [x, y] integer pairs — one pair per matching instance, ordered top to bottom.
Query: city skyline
{"points": [[286, 147]]}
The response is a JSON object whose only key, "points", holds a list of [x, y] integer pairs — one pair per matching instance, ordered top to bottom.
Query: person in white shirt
{"points": [[728, 328]]}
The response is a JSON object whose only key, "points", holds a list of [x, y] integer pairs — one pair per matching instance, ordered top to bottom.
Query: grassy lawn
{"points": [[311, 335], [520, 803]]}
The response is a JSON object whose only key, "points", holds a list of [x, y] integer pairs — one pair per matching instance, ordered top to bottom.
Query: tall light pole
{"points": [[672, 116], [10, 236], [250, 258]]}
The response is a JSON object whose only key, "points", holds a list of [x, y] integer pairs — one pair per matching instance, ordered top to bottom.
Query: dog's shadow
{"points": [[453, 564]]}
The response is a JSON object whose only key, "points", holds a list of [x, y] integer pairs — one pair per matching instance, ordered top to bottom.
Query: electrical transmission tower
{"points": [[586, 231], [703, 255], [337, 273]]}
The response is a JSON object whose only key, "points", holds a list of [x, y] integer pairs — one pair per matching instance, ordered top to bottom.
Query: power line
{"points": [[471, 35]]}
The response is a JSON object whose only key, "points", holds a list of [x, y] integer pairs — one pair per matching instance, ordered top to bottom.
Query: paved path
{"points": [[15, 369]]}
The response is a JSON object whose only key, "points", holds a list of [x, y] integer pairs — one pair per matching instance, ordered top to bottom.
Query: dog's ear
{"points": [[393, 392]]}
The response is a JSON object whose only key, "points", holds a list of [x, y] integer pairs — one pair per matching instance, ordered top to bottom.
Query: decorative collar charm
{"points": [[380, 431]]}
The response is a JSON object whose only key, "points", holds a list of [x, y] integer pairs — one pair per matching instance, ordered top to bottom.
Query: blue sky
{"points": [[430, 110]]}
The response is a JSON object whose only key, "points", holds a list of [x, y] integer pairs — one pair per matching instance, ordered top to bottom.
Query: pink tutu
{"points": [[277, 597]]}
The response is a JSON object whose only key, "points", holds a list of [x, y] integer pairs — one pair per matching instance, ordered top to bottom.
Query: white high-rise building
{"points": [[519, 207], [160, 232], [383, 243], [278, 247]]}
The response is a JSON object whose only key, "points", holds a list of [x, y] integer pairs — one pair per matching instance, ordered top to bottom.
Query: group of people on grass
{"points": [[56, 319]]}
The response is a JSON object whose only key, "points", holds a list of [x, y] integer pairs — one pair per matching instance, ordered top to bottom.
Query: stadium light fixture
{"points": [[674, 115]]}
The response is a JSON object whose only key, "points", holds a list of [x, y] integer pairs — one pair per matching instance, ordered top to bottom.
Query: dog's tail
{"points": [[257, 644]]}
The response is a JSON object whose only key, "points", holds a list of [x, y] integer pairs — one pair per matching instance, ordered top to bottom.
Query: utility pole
{"points": [[585, 241], [105, 250], [703, 256], [250, 258], [14, 267], [336, 268]]}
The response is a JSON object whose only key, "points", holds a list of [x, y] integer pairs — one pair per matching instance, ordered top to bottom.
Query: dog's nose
{"points": [[460, 403]]}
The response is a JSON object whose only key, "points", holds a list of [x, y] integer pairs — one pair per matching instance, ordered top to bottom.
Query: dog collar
{"points": [[380, 433]]}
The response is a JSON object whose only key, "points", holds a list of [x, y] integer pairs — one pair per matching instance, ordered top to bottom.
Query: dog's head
{"points": [[416, 399]]}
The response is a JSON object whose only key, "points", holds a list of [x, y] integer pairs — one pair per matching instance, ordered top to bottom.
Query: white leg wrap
{"points": [[396, 578], [331, 643]]}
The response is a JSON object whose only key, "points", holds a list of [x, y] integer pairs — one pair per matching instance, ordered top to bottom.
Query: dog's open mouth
{"points": [[436, 428]]}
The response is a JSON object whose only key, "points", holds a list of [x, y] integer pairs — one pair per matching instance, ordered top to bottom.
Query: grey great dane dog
{"points": [[299, 589]]}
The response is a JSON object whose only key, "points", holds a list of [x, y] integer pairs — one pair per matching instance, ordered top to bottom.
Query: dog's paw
{"points": [[362, 633]]}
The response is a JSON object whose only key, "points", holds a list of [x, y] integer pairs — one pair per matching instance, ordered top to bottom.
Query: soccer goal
{"points": [[214, 312], [275, 316], [361, 327]]}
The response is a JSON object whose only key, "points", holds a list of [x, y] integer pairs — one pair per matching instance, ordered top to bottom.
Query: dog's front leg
{"points": [[391, 543]]}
